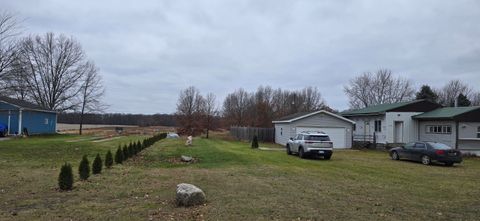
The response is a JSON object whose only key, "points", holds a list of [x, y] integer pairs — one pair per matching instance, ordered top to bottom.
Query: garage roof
{"points": [[23, 104], [299, 116]]}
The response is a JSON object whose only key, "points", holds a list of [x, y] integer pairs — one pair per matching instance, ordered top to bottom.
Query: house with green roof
{"points": [[418, 120], [389, 123], [457, 127]]}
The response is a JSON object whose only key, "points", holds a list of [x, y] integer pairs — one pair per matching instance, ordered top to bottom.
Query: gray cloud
{"points": [[149, 50]]}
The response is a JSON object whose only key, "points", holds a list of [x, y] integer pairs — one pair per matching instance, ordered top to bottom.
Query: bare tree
{"points": [[9, 30], [53, 68], [378, 88], [450, 92], [91, 93], [475, 98], [236, 107], [260, 108], [189, 110], [210, 112]]}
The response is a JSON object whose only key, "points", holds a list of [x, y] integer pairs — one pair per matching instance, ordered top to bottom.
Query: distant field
{"points": [[62, 127], [240, 184]]}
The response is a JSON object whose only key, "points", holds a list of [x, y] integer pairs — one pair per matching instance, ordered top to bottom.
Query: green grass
{"points": [[240, 184]]}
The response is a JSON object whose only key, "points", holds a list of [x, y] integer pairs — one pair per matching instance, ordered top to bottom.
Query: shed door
{"points": [[337, 135]]}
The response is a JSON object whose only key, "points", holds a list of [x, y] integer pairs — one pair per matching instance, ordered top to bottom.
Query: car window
{"points": [[299, 137], [317, 138], [409, 145], [419, 146], [439, 146]]}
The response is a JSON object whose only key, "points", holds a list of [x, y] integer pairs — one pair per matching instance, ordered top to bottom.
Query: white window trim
{"points": [[440, 129]]}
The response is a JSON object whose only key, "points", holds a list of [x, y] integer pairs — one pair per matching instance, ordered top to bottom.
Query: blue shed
{"points": [[31, 118]]}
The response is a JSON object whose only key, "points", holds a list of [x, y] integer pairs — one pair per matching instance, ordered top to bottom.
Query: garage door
{"points": [[337, 135]]}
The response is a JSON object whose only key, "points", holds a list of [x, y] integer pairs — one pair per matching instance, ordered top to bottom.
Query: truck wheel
{"points": [[289, 152], [301, 153], [327, 157]]}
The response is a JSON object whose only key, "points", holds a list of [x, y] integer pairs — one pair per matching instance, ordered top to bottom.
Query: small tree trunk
{"points": [[83, 110]]}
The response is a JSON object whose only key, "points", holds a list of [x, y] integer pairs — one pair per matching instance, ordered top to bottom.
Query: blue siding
{"points": [[13, 120], [36, 122], [39, 122]]}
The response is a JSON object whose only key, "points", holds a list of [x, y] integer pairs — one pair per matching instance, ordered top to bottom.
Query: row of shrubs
{"points": [[65, 179]]}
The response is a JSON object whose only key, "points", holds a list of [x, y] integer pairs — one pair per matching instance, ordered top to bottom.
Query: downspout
{"points": [[20, 122], [8, 129], [456, 134]]}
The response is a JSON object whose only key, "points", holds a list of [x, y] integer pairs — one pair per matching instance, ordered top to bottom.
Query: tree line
{"points": [[50, 70], [197, 114], [119, 119]]}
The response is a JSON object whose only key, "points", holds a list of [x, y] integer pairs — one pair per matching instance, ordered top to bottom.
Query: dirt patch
{"points": [[106, 139], [178, 160]]}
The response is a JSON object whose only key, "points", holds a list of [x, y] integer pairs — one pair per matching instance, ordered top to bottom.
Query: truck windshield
{"points": [[317, 138]]}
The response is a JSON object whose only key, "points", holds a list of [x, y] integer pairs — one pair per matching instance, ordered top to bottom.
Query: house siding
{"points": [[318, 120], [39, 122], [365, 125], [410, 130], [387, 134], [467, 136], [448, 139]]}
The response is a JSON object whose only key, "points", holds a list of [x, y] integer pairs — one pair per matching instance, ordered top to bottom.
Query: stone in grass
{"points": [[186, 158], [189, 195]]}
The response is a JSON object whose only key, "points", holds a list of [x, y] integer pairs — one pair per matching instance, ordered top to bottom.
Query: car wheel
{"points": [[289, 152], [301, 153], [395, 155], [327, 157], [426, 160], [449, 164]]}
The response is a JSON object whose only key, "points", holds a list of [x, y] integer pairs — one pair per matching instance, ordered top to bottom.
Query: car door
{"points": [[418, 151], [404, 153]]}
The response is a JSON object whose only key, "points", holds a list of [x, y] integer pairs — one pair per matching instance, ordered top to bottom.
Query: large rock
{"points": [[186, 158], [189, 195]]}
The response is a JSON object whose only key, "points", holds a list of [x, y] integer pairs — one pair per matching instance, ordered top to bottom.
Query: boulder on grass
{"points": [[186, 158], [189, 195]]}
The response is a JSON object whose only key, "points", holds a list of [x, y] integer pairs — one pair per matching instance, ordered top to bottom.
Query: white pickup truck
{"points": [[311, 143]]}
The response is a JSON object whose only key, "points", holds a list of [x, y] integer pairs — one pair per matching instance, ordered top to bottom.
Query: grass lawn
{"points": [[240, 184]]}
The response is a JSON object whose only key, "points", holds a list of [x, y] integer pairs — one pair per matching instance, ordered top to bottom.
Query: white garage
{"points": [[339, 129], [337, 135]]}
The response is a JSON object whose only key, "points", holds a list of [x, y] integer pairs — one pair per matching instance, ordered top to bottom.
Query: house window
{"points": [[46, 120], [378, 126], [355, 127], [438, 129], [478, 132]]}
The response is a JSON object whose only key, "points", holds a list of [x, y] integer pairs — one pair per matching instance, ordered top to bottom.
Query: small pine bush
{"points": [[255, 142], [139, 145], [135, 148], [131, 151], [125, 153], [119, 156], [108, 159], [97, 165], [84, 168], [65, 179]]}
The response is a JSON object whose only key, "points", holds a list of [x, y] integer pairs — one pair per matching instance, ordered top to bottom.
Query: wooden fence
{"points": [[247, 133]]}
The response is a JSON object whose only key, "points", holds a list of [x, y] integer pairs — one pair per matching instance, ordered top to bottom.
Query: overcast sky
{"points": [[148, 51]]}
